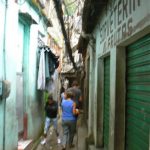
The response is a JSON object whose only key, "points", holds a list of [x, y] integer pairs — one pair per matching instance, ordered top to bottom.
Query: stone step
{"points": [[25, 144]]}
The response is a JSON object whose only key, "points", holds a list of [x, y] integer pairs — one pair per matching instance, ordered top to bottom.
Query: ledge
{"points": [[36, 6]]}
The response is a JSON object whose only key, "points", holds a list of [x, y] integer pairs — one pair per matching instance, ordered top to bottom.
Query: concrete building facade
{"points": [[117, 66], [21, 113]]}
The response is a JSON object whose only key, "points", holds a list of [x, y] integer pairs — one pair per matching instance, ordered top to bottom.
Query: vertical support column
{"points": [[91, 98], [112, 98], [120, 99]]}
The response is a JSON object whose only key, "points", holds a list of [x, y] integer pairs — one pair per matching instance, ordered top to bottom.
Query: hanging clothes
{"points": [[53, 62], [47, 66], [41, 72], [47, 72]]}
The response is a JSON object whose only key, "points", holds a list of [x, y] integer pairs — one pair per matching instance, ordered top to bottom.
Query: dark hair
{"points": [[75, 83], [62, 89], [50, 97]]}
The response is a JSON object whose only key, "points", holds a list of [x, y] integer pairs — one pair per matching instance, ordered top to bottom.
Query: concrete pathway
{"points": [[79, 139]]}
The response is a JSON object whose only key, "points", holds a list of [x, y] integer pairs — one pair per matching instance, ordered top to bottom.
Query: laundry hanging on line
{"points": [[47, 65]]}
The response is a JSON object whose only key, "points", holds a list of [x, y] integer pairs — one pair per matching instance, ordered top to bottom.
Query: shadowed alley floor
{"points": [[79, 139]]}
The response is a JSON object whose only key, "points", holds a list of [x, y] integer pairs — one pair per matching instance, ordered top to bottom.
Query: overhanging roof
{"points": [[91, 12]]}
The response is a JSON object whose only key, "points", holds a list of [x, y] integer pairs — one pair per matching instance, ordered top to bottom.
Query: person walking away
{"points": [[77, 94], [78, 100], [51, 111], [68, 120]]}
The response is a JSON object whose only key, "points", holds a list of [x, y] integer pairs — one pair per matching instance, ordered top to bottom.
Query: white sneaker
{"points": [[43, 141], [58, 141]]}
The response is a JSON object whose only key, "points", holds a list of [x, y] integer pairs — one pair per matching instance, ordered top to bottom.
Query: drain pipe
{"points": [[4, 64]]}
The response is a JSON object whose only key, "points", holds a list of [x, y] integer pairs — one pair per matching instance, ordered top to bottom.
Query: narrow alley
{"points": [[89, 59], [52, 144]]}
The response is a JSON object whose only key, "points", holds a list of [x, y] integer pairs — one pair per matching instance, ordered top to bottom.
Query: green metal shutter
{"points": [[138, 95], [106, 100]]}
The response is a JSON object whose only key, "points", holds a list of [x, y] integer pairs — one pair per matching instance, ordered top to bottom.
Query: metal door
{"points": [[138, 95], [106, 100]]}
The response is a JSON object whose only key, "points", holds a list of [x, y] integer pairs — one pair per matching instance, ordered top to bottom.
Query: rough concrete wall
{"points": [[2, 9], [125, 19], [126, 22], [86, 88], [91, 95], [34, 98], [34, 103], [1, 125], [11, 131]]}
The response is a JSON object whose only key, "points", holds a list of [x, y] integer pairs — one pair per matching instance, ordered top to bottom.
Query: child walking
{"points": [[51, 111]]}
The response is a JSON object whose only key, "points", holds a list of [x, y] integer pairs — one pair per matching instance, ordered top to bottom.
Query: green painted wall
{"points": [[2, 10], [33, 98], [34, 104], [11, 136]]}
